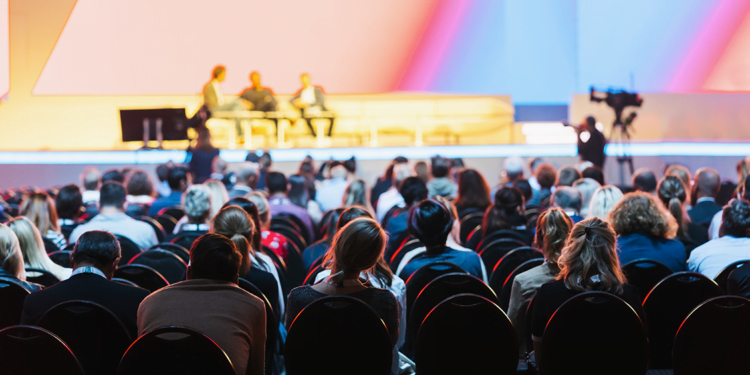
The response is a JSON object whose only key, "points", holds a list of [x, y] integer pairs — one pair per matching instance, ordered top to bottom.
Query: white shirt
{"points": [[217, 89], [307, 95], [331, 193], [90, 196], [139, 199], [386, 201], [120, 224], [713, 229], [450, 243], [715, 255], [265, 263]]}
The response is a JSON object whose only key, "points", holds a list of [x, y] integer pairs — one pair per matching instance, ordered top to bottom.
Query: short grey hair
{"points": [[247, 169], [90, 178], [587, 187], [567, 197], [197, 203]]}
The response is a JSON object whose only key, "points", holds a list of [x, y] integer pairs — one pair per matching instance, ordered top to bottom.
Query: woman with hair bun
{"points": [[673, 194]]}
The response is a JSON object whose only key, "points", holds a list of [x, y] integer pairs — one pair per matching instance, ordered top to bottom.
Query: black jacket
{"points": [[703, 212]]}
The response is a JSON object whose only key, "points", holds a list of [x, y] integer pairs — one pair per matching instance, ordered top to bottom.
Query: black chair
{"points": [[135, 209], [175, 212], [167, 222], [469, 222], [296, 224], [504, 233], [161, 234], [292, 236], [474, 238], [186, 239], [49, 246], [69, 247], [128, 249], [175, 249], [492, 252], [398, 255], [61, 258], [165, 262], [295, 266], [505, 266], [644, 274], [312, 275], [143, 276], [423, 276], [723, 276], [42, 277], [125, 282], [507, 286], [12, 295], [667, 306], [528, 319], [272, 325], [338, 330], [594, 333], [94, 334], [466, 334], [713, 338], [28, 350], [175, 350]]}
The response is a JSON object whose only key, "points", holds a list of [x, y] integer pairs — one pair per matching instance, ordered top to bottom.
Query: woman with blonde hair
{"points": [[357, 194], [219, 196], [604, 199], [40, 209], [552, 230], [645, 230], [272, 240], [32, 248], [11, 260], [588, 262]]}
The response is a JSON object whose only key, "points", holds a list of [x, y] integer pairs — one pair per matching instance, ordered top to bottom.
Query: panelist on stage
{"points": [[213, 97], [260, 98], [311, 101]]}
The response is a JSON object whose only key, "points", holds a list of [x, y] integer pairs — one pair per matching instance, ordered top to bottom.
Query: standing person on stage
{"points": [[213, 98], [260, 98], [311, 101], [591, 147]]}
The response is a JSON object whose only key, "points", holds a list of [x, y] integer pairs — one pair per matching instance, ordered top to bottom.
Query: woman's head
{"points": [[682, 173], [139, 183], [473, 190], [299, 192], [356, 194], [673, 194], [219, 195], [603, 201], [197, 204], [40, 209], [251, 209], [264, 209], [506, 213], [640, 213], [350, 214], [430, 222], [234, 223], [552, 229], [30, 241], [357, 247], [11, 259], [589, 259]]}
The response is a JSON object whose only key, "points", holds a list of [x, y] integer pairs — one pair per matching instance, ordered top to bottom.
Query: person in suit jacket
{"points": [[213, 98], [311, 101], [705, 188], [94, 260]]}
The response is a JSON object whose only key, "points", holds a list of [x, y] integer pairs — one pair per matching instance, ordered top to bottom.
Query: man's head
{"points": [[219, 73], [305, 78], [255, 79], [590, 123], [265, 161], [534, 163], [218, 165], [440, 167], [513, 168], [162, 172], [339, 172], [595, 173], [247, 174], [113, 175], [546, 175], [567, 176], [90, 178], [178, 179], [644, 180], [707, 182], [276, 183], [587, 187], [413, 190], [112, 195], [567, 198], [68, 202], [736, 219], [98, 249], [214, 257]]}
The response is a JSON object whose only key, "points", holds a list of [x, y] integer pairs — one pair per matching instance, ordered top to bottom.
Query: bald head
{"points": [[707, 182]]}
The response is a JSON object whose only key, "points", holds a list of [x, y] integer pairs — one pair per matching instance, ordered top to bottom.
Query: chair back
{"points": [[175, 212], [167, 222], [468, 223], [299, 226], [504, 233], [161, 234], [186, 239], [408, 245], [49, 246], [128, 249], [176, 249], [492, 252], [61, 258], [165, 262], [295, 266], [504, 267], [313, 274], [644, 274], [41, 276], [143, 276], [423, 276], [723, 276], [124, 282], [507, 286], [12, 296], [667, 306], [528, 319], [272, 325], [338, 330], [594, 333], [94, 334], [713, 338], [479, 340], [28, 350], [175, 350]]}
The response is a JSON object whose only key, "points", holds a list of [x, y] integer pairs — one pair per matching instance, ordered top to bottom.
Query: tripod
{"points": [[620, 140]]}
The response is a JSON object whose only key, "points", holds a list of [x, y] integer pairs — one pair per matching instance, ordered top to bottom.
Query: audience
{"points": [[595, 173], [567, 175], [546, 177], [179, 179], [91, 180], [247, 180], [385, 182], [441, 183], [586, 186], [332, 190], [473, 192], [299, 194], [219, 195], [356, 195], [673, 195], [703, 196], [392, 197], [570, 201], [603, 201], [68, 203], [279, 203], [197, 205], [40, 209], [507, 214], [112, 218], [395, 222], [431, 223], [552, 230], [645, 230], [272, 240], [733, 245], [32, 248], [317, 250], [11, 260], [94, 260], [588, 262], [210, 302]]}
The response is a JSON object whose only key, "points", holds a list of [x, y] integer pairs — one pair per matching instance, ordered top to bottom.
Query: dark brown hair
{"points": [[473, 191]]}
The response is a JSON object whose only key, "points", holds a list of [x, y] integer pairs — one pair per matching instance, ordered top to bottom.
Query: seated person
{"points": [[213, 98], [259, 98], [311, 102], [545, 175], [179, 179], [644, 180], [441, 183], [277, 186], [140, 189], [332, 190], [673, 194], [703, 196], [391, 197], [570, 201], [68, 203], [197, 205], [40, 209], [507, 213], [112, 218], [395, 222], [431, 223], [552, 230], [645, 230], [272, 240], [733, 245], [32, 248], [318, 249], [591, 249], [94, 260], [11, 261], [738, 283], [210, 302]]}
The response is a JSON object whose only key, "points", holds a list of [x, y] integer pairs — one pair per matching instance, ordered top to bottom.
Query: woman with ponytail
{"points": [[673, 193], [588, 262]]}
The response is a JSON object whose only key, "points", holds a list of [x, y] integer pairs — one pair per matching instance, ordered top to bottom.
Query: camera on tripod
{"points": [[618, 100]]}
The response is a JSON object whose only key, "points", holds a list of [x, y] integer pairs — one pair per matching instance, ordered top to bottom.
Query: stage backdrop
{"points": [[4, 50]]}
